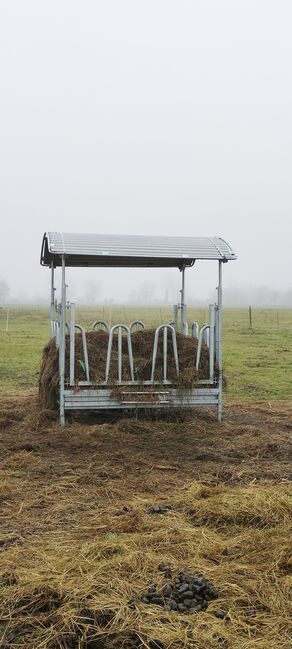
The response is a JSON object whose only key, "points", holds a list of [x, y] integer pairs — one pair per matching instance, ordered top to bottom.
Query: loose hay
{"points": [[142, 344], [74, 574], [89, 592]]}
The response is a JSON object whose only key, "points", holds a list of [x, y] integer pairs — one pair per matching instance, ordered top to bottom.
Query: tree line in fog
{"points": [[261, 296]]}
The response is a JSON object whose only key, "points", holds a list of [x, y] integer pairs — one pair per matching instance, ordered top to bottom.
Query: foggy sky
{"points": [[150, 117]]}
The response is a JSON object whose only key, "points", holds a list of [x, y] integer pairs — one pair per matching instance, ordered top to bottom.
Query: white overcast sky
{"points": [[151, 117]]}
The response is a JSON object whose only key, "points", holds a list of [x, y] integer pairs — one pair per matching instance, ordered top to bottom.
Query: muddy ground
{"points": [[148, 455]]}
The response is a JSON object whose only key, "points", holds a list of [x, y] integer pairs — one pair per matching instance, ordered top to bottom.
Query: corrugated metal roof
{"points": [[130, 250]]}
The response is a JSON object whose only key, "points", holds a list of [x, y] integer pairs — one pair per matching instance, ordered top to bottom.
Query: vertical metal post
{"points": [[182, 301], [52, 308], [175, 316], [58, 325], [216, 330], [211, 341], [72, 343], [120, 343], [62, 344], [164, 354], [219, 409]]}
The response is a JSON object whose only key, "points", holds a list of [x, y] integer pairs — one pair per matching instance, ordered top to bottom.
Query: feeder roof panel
{"points": [[90, 250]]}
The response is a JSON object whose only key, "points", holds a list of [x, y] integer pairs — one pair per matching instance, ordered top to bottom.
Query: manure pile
{"points": [[142, 345], [185, 594]]}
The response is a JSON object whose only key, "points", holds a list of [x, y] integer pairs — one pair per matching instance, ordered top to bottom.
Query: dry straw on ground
{"points": [[79, 543]]}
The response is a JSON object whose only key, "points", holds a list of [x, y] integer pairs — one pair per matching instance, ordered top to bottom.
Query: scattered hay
{"points": [[142, 344], [75, 579], [91, 591]]}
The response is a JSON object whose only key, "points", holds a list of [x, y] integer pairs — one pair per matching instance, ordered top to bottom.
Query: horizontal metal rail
{"points": [[138, 383], [105, 399]]}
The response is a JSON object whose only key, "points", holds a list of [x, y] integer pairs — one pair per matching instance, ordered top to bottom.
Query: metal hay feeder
{"points": [[82, 250]]}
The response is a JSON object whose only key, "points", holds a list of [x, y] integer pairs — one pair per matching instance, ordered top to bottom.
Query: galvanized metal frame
{"points": [[94, 250], [52, 306], [100, 324], [137, 324], [120, 328], [164, 328], [62, 343], [72, 344], [85, 354], [220, 368], [208, 391], [205, 396], [104, 399]]}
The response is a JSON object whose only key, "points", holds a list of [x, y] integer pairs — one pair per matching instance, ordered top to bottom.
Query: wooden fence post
{"points": [[250, 317]]}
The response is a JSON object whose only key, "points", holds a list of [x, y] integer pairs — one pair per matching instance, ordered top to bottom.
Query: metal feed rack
{"points": [[82, 250]]}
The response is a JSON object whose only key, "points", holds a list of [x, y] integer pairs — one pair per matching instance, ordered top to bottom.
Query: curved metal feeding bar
{"points": [[100, 324], [137, 324], [120, 328], [185, 328], [205, 328], [165, 329], [195, 330], [200, 344], [84, 346]]}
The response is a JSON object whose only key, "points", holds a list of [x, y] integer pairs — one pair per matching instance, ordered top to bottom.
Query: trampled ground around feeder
{"points": [[81, 541]]}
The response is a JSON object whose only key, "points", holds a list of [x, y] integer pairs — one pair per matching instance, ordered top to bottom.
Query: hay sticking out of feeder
{"points": [[142, 345]]}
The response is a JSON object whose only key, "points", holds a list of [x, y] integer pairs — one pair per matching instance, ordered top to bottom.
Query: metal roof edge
{"points": [[57, 244]]}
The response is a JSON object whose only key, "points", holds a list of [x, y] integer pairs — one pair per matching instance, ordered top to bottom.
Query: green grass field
{"points": [[257, 362]]}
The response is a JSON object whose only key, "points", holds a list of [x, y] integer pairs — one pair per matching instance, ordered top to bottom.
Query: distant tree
{"points": [[4, 291], [92, 291], [144, 294]]}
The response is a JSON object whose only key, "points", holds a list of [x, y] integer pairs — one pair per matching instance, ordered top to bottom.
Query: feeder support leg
{"points": [[182, 303], [52, 309], [62, 345], [219, 357]]}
